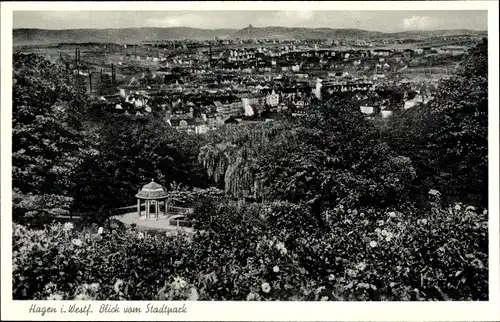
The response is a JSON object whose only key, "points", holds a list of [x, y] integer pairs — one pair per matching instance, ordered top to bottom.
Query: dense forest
{"points": [[317, 194]]}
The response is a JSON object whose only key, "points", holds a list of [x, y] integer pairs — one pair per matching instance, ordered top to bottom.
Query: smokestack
{"points": [[77, 54], [210, 55], [90, 82]]}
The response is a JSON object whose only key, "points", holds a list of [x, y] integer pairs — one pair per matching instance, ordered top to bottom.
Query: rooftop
{"points": [[152, 190]]}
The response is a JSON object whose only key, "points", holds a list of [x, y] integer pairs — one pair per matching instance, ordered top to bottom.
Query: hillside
{"points": [[304, 33], [329, 33], [440, 33], [125, 35], [136, 35]]}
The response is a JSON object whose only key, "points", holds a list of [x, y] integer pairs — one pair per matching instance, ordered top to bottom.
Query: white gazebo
{"points": [[152, 194]]}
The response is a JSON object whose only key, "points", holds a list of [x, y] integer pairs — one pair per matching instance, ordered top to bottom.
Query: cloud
{"points": [[295, 16], [286, 18], [179, 20], [168, 22], [418, 22]]}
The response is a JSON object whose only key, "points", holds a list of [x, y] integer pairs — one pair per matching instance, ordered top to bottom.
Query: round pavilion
{"points": [[152, 194]]}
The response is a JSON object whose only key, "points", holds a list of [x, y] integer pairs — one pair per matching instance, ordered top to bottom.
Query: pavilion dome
{"points": [[152, 190]]}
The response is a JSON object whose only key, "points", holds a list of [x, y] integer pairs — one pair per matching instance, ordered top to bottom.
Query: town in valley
{"points": [[198, 85]]}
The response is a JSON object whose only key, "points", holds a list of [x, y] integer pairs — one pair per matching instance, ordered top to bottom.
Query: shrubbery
{"points": [[185, 197], [275, 251], [60, 262]]}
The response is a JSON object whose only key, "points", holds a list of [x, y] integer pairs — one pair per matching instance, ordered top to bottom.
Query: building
{"points": [[452, 50], [382, 52], [253, 98], [272, 99], [228, 109], [369, 110], [386, 113], [190, 126]]}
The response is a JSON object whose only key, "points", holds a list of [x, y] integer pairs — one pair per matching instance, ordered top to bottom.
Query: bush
{"points": [[183, 197], [274, 251], [351, 254], [60, 262]]}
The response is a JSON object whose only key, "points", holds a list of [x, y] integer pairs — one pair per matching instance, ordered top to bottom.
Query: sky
{"points": [[385, 21]]}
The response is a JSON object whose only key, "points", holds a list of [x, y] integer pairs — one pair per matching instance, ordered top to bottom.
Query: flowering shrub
{"points": [[274, 251], [348, 254], [60, 262]]}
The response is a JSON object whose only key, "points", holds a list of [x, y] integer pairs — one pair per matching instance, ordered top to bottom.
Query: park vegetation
{"points": [[329, 206]]}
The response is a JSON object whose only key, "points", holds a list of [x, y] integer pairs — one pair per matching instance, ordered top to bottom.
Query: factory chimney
{"points": [[210, 56], [77, 61], [90, 82]]}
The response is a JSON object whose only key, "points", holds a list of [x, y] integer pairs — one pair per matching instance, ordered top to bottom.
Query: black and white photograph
{"points": [[311, 155]]}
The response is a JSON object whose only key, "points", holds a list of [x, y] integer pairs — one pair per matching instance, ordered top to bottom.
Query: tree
{"points": [[408, 134], [461, 138], [447, 139], [47, 145], [131, 152], [334, 155], [230, 157], [215, 159], [240, 178]]}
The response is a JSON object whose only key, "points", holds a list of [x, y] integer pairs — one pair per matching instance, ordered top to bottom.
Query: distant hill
{"points": [[304, 33], [329, 33], [440, 33], [124, 35], [137, 35]]}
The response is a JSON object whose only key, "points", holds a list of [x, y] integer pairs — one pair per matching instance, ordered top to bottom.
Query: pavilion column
{"points": [[139, 207], [147, 208], [157, 208]]}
